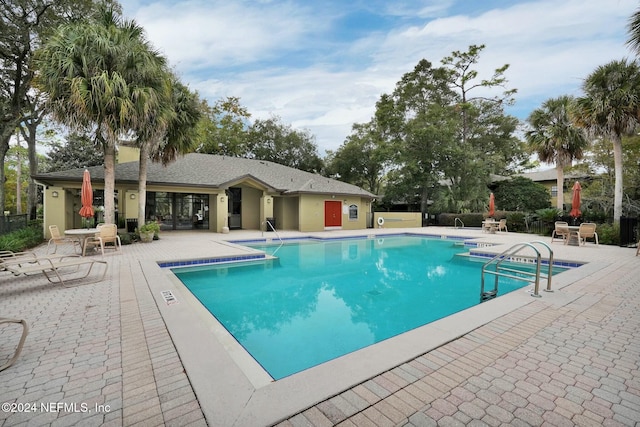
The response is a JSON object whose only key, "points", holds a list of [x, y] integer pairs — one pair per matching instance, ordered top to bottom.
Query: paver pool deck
{"points": [[117, 352]]}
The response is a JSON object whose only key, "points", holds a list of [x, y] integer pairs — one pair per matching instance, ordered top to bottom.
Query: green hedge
{"points": [[20, 240]]}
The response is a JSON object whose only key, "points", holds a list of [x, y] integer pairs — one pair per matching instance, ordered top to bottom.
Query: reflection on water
{"points": [[321, 300]]}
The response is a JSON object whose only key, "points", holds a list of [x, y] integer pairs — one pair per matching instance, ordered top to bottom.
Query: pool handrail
{"points": [[268, 224], [500, 271]]}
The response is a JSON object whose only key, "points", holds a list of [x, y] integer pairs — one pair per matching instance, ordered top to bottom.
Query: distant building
{"points": [[549, 179]]}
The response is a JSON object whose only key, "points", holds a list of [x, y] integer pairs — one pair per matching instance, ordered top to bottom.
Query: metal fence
{"points": [[9, 223], [539, 227]]}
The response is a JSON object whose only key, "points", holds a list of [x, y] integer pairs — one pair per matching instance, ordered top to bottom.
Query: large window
{"points": [[178, 211]]}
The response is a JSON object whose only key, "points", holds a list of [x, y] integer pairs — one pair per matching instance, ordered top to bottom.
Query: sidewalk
{"points": [[111, 353]]}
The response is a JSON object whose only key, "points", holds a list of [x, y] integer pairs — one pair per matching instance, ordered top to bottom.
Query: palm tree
{"points": [[633, 29], [101, 76], [609, 110], [174, 133], [555, 139]]}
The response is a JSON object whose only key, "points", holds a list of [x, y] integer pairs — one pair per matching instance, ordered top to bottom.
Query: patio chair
{"points": [[502, 225], [561, 230], [586, 231], [107, 233], [57, 239], [55, 268], [18, 350]]}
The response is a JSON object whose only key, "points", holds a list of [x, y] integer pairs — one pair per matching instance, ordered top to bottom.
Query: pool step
{"points": [[489, 295]]}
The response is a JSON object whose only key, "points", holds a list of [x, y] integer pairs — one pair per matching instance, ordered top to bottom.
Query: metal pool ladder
{"points": [[268, 224], [505, 271]]}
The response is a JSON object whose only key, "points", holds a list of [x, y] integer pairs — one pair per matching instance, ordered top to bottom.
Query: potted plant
{"points": [[148, 231]]}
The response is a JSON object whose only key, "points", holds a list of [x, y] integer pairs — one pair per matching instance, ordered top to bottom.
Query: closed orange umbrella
{"points": [[86, 196], [575, 200], [492, 205]]}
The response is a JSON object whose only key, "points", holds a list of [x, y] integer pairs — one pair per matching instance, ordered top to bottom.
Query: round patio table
{"points": [[81, 234]]}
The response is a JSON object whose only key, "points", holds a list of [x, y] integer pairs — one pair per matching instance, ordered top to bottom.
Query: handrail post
{"points": [[276, 233], [500, 258], [550, 273], [537, 283]]}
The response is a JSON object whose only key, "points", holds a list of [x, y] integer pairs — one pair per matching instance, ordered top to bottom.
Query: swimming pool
{"points": [[320, 300]]}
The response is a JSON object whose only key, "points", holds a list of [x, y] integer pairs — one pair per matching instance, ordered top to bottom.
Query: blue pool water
{"points": [[320, 300]]}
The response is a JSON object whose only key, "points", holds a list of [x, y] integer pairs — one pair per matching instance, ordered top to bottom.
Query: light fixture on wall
{"points": [[54, 194], [132, 196], [222, 199], [269, 200]]}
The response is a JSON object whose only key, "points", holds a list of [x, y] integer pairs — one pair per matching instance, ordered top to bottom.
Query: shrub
{"points": [[548, 215], [516, 222], [150, 226], [608, 234], [125, 238], [19, 240]]}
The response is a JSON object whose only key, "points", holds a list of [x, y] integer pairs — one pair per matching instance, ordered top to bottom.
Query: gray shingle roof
{"points": [[207, 170]]}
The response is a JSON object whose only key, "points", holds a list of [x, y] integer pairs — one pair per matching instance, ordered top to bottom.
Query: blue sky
{"points": [[321, 65]]}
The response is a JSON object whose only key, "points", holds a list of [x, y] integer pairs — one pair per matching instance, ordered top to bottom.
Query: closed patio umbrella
{"points": [[86, 196], [575, 200], [492, 205]]}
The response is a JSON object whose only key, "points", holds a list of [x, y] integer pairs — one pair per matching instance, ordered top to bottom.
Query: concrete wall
{"points": [[251, 208], [286, 212], [311, 212], [397, 219]]}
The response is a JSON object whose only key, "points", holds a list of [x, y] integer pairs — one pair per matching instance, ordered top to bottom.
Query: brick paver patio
{"points": [[101, 354]]}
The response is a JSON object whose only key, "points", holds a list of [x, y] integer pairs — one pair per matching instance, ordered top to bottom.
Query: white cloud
{"points": [[223, 34], [274, 56]]}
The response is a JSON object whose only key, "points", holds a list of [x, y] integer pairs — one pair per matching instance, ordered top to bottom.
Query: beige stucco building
{"points": [[213, 193]]}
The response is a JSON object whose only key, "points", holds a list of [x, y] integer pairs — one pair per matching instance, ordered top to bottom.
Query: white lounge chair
{"points": [[9, 257], [54, 268], [18, 350]]}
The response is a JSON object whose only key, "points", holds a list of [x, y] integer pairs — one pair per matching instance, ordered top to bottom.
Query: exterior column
{"points": [[55, 209], [266, 211], [221, 213]]}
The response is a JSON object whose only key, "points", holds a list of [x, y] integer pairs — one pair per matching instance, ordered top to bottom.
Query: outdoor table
{"points": [[492, 225], [81, 234], [573, 239]]}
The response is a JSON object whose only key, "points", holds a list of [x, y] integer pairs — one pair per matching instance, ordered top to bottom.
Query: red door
{"points": [[332, 214]]}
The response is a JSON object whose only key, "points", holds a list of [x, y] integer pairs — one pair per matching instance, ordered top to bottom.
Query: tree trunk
{"points": [[29, 130], [4, 147], [18, 181], [109, 181], [142, 183], [560, 185], [32, 190], [617, 192]]}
